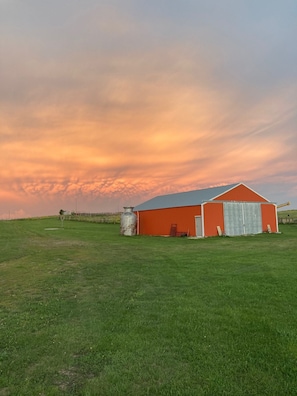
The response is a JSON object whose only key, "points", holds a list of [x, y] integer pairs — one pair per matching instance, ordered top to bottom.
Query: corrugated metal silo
{"points": [[128, 221]]}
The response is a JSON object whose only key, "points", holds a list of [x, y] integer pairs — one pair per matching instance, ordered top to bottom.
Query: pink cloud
{"points": [[106, 113]]}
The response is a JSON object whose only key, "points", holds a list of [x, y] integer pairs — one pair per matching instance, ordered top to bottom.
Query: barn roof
{"points": [[189, 198]]}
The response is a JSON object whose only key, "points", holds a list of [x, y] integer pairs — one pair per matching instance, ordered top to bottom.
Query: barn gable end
{"points": [[241, 193]]}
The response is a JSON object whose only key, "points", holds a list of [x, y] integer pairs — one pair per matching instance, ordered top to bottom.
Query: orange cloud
{"points": [[108, 112]]}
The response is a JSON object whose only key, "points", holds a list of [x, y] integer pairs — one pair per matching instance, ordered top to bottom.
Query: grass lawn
{"points": [[85, 311]]}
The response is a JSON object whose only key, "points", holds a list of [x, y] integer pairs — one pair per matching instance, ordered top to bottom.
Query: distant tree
{"points": [[62, 216]]}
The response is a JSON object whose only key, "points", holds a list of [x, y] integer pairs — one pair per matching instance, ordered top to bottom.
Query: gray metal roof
{"points": [[189, 198]]}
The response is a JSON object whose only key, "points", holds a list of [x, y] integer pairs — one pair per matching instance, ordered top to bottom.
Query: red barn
{"points": [[234, 209]]}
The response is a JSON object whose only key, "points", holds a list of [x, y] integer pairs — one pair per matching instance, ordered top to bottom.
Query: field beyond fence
{"points": [[287, 217], [86, 311]]}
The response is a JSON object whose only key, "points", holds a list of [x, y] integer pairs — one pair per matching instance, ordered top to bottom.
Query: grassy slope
{"points": [[85, 311]]}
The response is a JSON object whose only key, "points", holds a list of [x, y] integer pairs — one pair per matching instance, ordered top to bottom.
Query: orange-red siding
{"points": [[241, 193], [213, 217], [269, 217], [158, 222]]}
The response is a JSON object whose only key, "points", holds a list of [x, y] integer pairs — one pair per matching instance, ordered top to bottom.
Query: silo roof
{"points": [[188, 198]]}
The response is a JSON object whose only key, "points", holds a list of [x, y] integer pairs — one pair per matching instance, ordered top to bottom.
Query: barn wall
{"points": [[241, 193], [269, 216], [213, 217], [158, 222]]}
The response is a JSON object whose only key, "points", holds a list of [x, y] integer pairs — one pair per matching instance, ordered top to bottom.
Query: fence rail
{"points": [[108, 218], [287, 220]]}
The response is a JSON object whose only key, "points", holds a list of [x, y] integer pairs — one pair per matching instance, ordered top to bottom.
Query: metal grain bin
{"points": [[128, 221]]}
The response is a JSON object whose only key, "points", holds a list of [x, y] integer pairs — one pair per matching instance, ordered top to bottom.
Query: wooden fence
{"points": [[108, 218], [287, 220]]}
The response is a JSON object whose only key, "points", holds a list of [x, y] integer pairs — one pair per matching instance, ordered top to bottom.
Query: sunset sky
{"points": [[107, 103]]}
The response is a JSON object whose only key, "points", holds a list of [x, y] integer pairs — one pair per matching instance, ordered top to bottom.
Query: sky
{"points": [[108, 103]]}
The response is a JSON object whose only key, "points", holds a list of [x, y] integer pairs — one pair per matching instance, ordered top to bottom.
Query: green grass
{"points": [[85, 311]]}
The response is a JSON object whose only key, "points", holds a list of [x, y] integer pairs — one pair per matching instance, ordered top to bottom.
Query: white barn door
{"points": [[242, 218], [198, 226]]}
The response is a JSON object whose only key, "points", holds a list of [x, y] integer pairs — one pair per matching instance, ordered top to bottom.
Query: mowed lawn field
{"points": [[86, 311]]}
